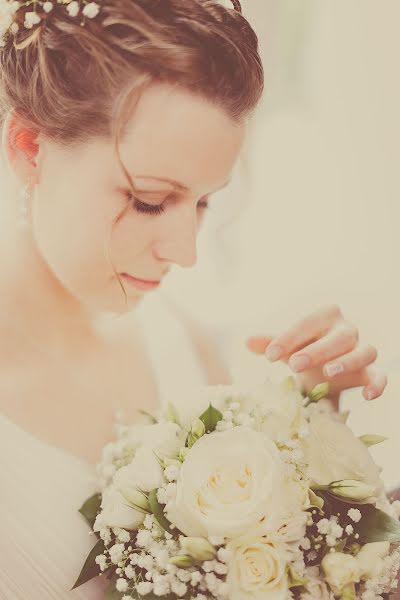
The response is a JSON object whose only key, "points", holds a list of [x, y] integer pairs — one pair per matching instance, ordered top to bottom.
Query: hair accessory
{"points": [[17, 14]]}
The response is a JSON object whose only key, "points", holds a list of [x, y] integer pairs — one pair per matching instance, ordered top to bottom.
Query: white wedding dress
{"points": [[43, 539]]}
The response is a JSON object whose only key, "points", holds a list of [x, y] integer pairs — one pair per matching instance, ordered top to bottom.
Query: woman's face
{"points": [[179, 150]]}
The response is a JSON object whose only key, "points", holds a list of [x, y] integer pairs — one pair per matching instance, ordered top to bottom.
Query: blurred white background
{"points": [[313, 215]]}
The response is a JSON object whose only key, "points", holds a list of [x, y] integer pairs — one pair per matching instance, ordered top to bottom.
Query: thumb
{"points": [[258, 344]]}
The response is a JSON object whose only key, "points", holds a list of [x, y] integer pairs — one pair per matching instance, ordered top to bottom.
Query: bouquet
{"points": [[264, 494]]}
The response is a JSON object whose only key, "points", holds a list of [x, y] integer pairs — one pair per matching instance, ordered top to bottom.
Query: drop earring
{"points": [[23, 221]]}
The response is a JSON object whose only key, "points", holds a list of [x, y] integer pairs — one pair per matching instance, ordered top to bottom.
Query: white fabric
{"points": [[43, 539]]}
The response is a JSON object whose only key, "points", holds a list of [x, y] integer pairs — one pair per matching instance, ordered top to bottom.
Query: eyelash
{"points": [[151, 209]]}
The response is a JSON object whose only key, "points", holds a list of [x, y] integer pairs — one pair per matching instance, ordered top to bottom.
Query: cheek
{"points": [[71, 235]]}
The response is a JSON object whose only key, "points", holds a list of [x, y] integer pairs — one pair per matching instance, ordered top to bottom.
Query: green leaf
{"points": [[210, 418], [371, 440], [91, 508], [157, 510], [377, 526], [90, 569]]}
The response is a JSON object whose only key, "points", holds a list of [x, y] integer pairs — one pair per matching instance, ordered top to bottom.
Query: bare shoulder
{"points": [[206, 346]]}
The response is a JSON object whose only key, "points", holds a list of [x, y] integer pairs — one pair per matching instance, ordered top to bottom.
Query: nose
{"points": [[179, 243]]}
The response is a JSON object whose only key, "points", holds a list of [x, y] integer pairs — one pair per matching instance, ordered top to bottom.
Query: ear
{"points": [[21, 148]]}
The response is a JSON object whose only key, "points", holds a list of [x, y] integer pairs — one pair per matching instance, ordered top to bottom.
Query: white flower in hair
{"points": [[47, 7], [73, 8], [7, 9], [91, 10], [31, 19]]}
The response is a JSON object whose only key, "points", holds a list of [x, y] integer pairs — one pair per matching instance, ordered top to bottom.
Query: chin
{"points": [[115, 303]]}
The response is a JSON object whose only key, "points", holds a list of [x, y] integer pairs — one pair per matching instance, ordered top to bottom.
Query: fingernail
{"points": [[273, 353], [299, 363], [333, 369], [371, 394]]}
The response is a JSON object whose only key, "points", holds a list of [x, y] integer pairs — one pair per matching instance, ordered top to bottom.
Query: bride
{"points": [[119, 123]]}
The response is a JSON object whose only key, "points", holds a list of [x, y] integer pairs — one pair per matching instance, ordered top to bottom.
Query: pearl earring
{"points": [[23, 221]]}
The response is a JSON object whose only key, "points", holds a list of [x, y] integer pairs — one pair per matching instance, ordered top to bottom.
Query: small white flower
{"points": [[47, 7], [73, 8], [91, 10], [31, 18], [227, 415], [172, 472], [354, 514], [323, 526], [349, 529], [121, 534], [144, 538], [305, 544], [116, 553], [223, 555], [162, 559], [146, 562], [220, 568], [130, 572], [184, 575], [195, 578], [122, 585], [144, 587], [179, 588]]}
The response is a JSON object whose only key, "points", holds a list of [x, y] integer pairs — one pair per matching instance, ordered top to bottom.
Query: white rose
{"points": [[334, 453], [229, 483], [370, 559], [256, 570], [340, 570]]}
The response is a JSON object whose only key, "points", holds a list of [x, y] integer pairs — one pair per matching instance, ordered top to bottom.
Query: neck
{"points": [[34, 306]]}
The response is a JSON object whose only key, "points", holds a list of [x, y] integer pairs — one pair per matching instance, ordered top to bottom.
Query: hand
{"points": [[324, 347]]}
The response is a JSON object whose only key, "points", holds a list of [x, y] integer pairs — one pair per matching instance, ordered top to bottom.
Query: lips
{"points": [[141, 284]]}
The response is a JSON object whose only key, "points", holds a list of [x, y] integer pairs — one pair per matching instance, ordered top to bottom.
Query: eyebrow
{"points": [[172, 182]]}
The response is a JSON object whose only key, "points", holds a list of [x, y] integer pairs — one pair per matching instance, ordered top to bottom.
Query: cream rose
{"points": [[326, 464], [230, 483], [256, 570], [340, 570]]}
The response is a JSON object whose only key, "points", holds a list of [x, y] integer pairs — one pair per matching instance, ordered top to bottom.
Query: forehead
{"points": [[179, 135]]}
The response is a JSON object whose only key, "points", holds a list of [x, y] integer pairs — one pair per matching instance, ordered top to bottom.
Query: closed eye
{"points": [[158, 209]]}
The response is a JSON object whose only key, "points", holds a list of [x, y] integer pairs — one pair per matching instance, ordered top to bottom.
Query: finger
{"points": [[304, 332], [341, 340], [258, 344], [356, 360], [375, 385]]}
